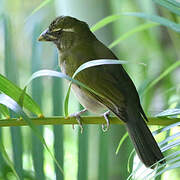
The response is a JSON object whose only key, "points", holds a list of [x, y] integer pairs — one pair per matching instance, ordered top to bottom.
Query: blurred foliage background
{"points": [[90, 155]]}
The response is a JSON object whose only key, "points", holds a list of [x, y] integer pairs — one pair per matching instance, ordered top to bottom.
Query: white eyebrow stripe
{"points": [[55, 30], [66, 30]]}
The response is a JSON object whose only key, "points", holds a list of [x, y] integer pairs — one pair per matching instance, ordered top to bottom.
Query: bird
{"points": [[77, 45]]}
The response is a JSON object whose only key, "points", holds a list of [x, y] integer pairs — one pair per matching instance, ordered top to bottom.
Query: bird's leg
{"points": [[77, 115], [106, 115]]}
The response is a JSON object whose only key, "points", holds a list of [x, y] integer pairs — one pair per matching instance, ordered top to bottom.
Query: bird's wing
{"points": [[105, 81], [112, 82]]}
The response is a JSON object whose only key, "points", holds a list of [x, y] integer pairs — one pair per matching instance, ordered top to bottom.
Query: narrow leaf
{"points": [[174, 2], [44, 3], [170, 5], [155, 18], [158, 19], [104, 22], [126, 35], [98, 63], [51, 73], [162, 75], [12, 90], [21, 98], [66, 102], [11, 104], [5, 112], [169, 112], [166, 128], [169, 138], [121, 142], [175, 143], [171, 145], [8, 160], [128, 164], [173, 166]]}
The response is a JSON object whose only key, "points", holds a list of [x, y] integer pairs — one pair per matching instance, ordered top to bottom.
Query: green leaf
{"points": [[174, 2], [44, 3], [172, 6], [157, 19], [105, 21], [126, 35], [98, 63], [51, 73], [161, 76], [10, 89], [21, 98], [66, 101], [11, 104], [5, 112], [169, 112], [166, 128], [169, 138], [121, 142], [171, 145], [8, 160], [128, 164], [172, 166], [162, 168], [145, 174]]}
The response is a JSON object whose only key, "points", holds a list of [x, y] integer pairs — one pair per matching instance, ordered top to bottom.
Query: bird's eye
{"points": [[59, 32]]}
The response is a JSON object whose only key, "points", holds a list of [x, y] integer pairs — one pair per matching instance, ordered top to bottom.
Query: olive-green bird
{"points": [[77, 45]]}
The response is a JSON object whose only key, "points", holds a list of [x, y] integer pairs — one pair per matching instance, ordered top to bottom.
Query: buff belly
{"points": [[88, 102]]}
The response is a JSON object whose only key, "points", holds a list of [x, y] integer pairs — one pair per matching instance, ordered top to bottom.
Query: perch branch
{"points": [[162, 121]]}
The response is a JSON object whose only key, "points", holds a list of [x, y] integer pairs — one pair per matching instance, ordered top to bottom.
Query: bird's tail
{"points": [[144, 142]]}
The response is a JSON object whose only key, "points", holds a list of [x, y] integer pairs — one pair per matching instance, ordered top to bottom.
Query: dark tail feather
{"points": [[144, 143]]}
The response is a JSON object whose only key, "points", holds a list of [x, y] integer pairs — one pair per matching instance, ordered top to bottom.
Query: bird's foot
{"points": [[77, 115], [106, 115]]}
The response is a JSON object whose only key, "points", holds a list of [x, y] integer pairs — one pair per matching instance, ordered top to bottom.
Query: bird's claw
{"points": [[77, 115], [106, 115]]}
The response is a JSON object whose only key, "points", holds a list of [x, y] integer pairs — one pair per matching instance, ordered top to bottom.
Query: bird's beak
{"points": [[46, 36]]}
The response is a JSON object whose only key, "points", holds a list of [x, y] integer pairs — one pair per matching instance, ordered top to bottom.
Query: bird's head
{"points": [[66, 29]]}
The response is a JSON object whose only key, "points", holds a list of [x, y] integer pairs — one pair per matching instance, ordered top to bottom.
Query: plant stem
{"points": [[162, 121]]}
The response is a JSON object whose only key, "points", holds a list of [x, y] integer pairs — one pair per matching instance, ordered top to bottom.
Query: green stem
{"points": [[162, 121]]}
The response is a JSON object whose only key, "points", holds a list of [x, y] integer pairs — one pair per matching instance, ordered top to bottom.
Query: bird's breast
{"points": [[87, 101]]}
